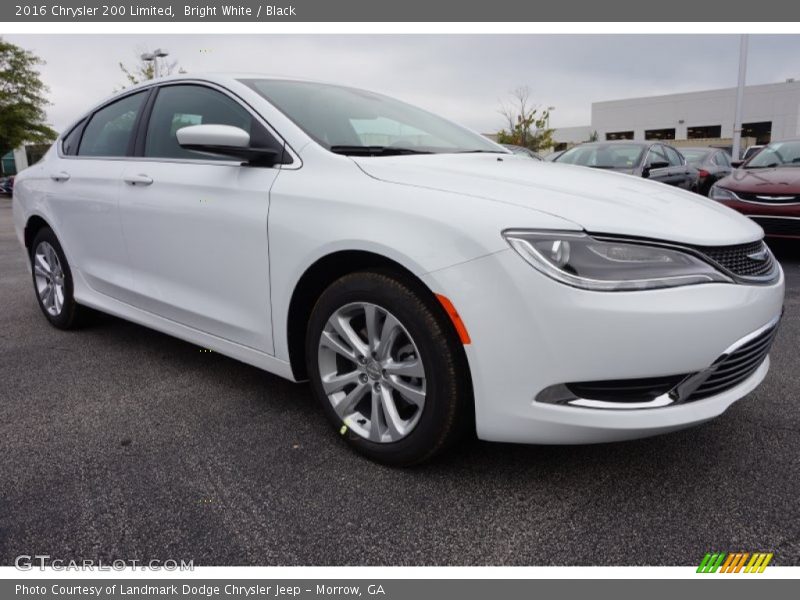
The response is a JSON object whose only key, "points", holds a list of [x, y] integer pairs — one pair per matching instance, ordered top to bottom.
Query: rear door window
{"points": [[109, 130]]}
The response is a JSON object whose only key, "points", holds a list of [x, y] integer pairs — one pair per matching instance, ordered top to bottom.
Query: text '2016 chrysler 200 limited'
{"points": [[425, 280]]}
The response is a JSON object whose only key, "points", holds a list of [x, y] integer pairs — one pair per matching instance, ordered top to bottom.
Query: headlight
{"points": [[720, 193], [582, 261]]}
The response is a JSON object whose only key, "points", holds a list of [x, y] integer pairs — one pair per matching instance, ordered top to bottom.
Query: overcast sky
{"points": [[464, 77]]}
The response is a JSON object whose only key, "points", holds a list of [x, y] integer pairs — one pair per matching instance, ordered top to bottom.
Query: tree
{"points": [[144, 70], [22, 99], [526, 126], [593, 137]]}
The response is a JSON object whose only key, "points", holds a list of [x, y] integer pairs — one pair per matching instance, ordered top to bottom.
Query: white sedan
{"points": [[425, 280]]}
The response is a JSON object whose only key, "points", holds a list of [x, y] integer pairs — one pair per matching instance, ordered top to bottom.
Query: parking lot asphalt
{"points": [[117, 442]]}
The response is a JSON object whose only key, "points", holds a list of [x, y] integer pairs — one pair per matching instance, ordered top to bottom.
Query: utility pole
{"points": [[737, 119]]}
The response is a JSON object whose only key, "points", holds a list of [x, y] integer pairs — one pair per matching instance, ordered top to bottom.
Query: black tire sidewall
{"points": [[444, 391]]}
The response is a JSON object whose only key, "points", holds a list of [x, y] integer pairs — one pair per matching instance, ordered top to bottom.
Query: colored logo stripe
{"points": [[734, 562]]}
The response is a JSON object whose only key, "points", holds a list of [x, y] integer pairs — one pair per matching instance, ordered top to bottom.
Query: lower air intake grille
{"points": [[734, 368]]}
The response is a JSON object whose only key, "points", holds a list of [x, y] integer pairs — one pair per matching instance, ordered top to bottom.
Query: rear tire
{"points": [[52, 281], [399, 391]]}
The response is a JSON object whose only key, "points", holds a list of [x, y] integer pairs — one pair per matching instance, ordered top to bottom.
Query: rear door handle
{"points": [[60, 176], [140, 179]]}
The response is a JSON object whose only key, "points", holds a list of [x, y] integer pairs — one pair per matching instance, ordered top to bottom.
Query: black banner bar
{"points": [[405, 11], [716, 586]]}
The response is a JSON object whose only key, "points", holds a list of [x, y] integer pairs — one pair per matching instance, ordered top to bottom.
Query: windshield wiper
{"points": [[375, 150], [483, 151]]}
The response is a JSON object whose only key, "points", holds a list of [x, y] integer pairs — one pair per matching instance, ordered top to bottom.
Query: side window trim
{"points": [[89, 116], [76, 129], [140, 131]]}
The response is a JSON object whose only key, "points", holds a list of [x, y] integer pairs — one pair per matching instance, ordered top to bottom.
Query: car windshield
{"points": [[356, 122], [779, 154], [604, 156], [694, 156]]}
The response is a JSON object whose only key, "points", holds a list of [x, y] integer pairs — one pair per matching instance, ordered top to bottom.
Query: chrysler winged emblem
{"points": [[758, 255]]}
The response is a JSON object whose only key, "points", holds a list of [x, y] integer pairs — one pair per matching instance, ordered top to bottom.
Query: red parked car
{"points": [[766, 188]]}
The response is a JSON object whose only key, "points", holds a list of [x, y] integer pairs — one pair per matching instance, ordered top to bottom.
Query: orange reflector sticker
{"points": [[451, 311]]}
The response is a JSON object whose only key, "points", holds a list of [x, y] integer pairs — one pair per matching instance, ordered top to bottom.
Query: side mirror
{"points": [[225, 140], [737, 163], [658, 164]]}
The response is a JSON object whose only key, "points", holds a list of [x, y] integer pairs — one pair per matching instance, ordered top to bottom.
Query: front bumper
{"points": [[530, 333]]}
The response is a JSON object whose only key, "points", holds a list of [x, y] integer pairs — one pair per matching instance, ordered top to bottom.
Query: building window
{"points": [[761, 131], [704, 132], [659, 134], [619, 135], [560, 147]]}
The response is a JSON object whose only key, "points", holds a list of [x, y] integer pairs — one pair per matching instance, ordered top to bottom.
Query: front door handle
{"points": [[60, 176], [140, 179]]}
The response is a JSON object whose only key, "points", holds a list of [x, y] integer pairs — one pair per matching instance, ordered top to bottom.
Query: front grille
{"points": [[769, 198], [779, 227], [742, 259], [733, 368]]}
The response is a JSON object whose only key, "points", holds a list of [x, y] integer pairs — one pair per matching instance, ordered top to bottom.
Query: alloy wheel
{"points": [[49, 277], [372, 372]]}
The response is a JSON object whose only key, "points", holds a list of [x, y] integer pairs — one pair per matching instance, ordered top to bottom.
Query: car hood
{"points": [[764, 181], [598, 201]]}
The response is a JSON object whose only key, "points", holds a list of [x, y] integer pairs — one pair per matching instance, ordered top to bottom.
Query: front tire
{"points": [[52, 281], [387, 368]]}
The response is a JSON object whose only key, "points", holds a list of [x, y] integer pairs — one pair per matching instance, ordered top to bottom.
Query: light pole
{"points": [[154, 56], [549, 110], [737, 119]]}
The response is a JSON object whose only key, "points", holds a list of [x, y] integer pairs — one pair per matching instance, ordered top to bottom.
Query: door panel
{"points": [[84, 190], [83, 197], [196, 224], [197, 240]]}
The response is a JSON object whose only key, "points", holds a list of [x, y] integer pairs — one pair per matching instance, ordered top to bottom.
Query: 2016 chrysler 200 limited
{"points": [[424, 279]]}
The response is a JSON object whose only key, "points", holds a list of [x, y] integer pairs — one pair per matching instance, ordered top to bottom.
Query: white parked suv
{"points": [[425, 280]]}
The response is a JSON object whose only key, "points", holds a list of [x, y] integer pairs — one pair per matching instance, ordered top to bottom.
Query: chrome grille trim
{"points": [[773, 199], [738, 260], [735, 365]]}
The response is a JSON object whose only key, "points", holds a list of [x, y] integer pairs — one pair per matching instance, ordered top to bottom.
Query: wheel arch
{"points": [[33, 225], [327, 269]]}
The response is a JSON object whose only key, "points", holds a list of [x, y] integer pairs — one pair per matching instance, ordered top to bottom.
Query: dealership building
{"points": [[769, 112]]}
